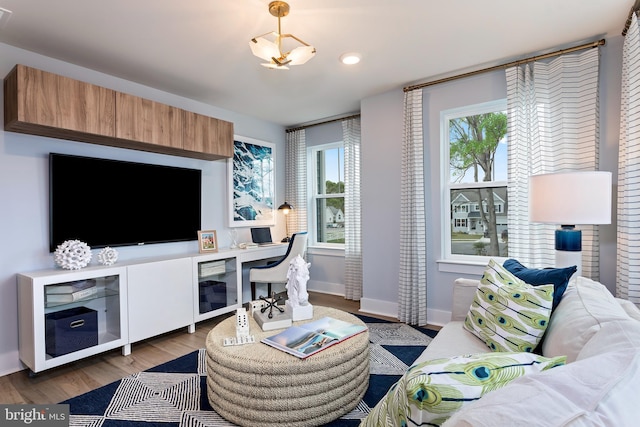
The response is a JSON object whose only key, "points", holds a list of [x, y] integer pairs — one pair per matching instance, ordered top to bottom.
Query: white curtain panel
{"points": [[553, 126], [296, 180], [352, 225], [628, 265], [412, 292]]}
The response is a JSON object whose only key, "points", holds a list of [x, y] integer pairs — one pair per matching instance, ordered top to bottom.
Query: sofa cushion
{"points": [[558, 277], [464, 290], [584, 308], [630, 308], [507, 313], [618, 335], [452, 340], [596, 391], [429, 392]]}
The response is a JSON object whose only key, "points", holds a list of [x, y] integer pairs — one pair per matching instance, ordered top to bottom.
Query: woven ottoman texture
{"points": [[255, 384]]}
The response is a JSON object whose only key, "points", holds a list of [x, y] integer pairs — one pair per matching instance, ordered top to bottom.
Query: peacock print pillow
{"points": [[507, 313], [430, 392]]}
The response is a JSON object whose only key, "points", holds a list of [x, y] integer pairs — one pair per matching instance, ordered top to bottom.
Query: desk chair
{"points": [[276, 272]]}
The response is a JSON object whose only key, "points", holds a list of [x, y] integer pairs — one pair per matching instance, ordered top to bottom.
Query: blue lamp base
{"points": [[569, 248]]}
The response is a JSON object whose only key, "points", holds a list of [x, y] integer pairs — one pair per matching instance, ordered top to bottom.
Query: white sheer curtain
{"points": [[553, 127], [296, 180], [352, 227], [628, 267], [412, 290]]}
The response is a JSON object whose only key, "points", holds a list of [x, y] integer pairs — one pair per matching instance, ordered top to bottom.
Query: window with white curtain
{"points": [[474, 175], [326, 190]]}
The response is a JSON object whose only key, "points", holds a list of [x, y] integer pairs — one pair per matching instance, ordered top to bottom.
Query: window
{"points": [[474, 170], [327, 193]]}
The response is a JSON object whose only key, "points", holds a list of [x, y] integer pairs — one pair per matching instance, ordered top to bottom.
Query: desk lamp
{"points": [[569, 199], [285, 208]]}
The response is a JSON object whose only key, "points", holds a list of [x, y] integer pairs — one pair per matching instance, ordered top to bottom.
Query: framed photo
{"points": [[251, 179], [207, 241]]}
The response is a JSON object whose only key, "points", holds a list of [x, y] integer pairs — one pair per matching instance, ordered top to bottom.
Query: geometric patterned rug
{"points": [[174, 394]]}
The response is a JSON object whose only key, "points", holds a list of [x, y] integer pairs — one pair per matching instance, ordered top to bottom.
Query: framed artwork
{"points": [[251, 178], [207, 241]]}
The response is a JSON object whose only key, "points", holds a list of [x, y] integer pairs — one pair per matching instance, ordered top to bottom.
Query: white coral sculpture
{"points": [[72, 255], [107, 256]]}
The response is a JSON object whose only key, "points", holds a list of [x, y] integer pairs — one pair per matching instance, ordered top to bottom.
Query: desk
{"points": [[230, 277]]}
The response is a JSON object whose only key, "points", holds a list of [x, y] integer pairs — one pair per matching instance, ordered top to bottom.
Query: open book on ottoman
{"points": [[309, 338]]}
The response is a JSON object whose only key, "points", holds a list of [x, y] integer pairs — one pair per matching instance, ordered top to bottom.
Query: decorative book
{"points": [[71, 287], [73, 296], [278, 321], [309, 338]]}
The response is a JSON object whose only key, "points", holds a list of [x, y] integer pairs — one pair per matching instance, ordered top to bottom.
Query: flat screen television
{"points": [[116, 203]]}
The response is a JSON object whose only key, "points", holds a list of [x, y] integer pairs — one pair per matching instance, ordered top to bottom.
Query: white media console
{"points": [[133, 301]]}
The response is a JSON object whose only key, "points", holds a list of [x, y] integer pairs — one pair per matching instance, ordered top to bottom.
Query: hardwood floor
{"points": [[58, 384]]}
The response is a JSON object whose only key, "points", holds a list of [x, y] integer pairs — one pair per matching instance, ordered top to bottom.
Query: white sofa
{"points": [[598, 386]]}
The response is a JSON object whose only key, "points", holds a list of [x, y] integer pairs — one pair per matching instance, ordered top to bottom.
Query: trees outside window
{"points": [[475, 166], [327, 195]]}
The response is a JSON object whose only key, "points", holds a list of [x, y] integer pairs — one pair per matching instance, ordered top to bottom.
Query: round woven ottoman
{"points": [[258, 385]]}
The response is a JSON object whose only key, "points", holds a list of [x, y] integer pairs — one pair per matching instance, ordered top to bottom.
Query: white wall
{"points": [[382, 126], [381, 150], [24, 187], [327, 265]]}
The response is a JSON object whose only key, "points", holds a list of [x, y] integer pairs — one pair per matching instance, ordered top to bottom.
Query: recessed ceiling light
{"points": [[4, 16], [350, 58]]}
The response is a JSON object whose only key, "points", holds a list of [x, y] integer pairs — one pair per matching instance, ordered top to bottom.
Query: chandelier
{"points": [[272, 52]]}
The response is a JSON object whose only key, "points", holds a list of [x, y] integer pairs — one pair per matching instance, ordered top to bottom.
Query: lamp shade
{"points": [[570, 198], [285, 207]]}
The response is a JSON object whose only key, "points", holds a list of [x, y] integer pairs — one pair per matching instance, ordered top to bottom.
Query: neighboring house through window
{"points": [[474, 170], [327, 193]]}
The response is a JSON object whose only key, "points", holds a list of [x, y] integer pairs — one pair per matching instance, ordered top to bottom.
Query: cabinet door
{"points": [[37, 98], [142, 120], [208, 135], [160, 297]]}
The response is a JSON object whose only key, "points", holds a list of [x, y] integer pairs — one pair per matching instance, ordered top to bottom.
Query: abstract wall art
{"points": [[251, 179]]}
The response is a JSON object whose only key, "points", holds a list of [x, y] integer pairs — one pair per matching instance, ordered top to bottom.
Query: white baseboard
{"points": [[325, 287], [378, 307], [390, 309], [438, 317]]}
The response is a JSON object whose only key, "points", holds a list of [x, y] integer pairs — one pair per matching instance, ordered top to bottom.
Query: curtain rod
{"points": [[627, 24], [510, 64], [353, 116]]}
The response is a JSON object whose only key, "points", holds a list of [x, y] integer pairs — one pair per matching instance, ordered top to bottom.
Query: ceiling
{"points": [[199, 49]]}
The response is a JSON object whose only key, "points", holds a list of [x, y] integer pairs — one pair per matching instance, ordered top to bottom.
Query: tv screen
{"points": [[115, 203]]}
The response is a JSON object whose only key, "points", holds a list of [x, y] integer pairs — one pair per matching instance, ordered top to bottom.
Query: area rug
{"points": [[174, 394]]}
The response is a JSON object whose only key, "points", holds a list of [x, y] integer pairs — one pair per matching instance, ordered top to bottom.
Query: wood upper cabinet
{"points": [[42, 103], [47, 104], [142, 120], [207, 135]]}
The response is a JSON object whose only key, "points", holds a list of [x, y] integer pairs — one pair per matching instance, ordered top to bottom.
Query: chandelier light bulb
{"points": [[271, 51]]}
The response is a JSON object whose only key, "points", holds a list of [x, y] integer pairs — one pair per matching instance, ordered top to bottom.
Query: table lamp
{"points": [[570, 199], [285, 208]]}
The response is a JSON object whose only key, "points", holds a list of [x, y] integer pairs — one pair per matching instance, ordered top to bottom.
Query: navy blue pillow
{"points": [[559, 277]]}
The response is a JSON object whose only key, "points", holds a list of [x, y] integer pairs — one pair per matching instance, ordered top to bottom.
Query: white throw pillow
{"points": [[585, 306], [507, 313], [597, 391]]}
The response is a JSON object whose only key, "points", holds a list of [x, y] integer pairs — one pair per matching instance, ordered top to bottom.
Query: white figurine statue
{"points": [[297, 276]]}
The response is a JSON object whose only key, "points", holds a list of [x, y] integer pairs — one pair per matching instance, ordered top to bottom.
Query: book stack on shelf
{"points": [[212, 268], [71, 292], [307, 339]]}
